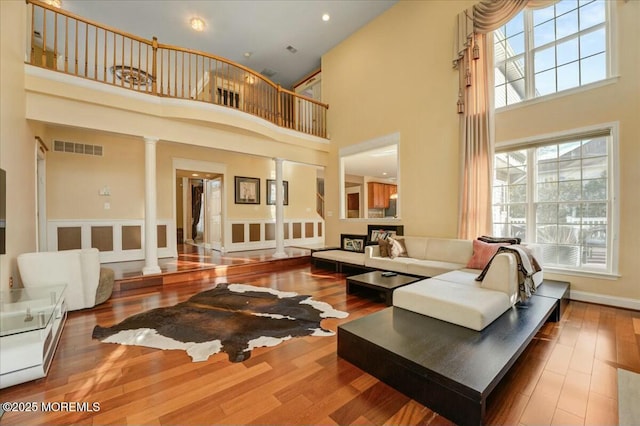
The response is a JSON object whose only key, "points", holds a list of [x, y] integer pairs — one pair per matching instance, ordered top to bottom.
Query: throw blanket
{"points": [[527, 266]]}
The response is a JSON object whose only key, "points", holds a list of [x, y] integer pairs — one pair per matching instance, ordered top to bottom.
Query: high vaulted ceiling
{"points": [[263, 28]]}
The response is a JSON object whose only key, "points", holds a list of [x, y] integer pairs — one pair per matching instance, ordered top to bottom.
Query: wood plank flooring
{"points": [[566, 376]]}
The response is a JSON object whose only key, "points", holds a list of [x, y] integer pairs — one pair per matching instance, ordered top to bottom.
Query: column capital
{"points": [[150, 139]]}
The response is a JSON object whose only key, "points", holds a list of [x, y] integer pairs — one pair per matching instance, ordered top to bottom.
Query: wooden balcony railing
{"points": [[73, 45]]}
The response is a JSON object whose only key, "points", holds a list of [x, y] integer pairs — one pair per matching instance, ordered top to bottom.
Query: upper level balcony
{"points": [[70, 44]]}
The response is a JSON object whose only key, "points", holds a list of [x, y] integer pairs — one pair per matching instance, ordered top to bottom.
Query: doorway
{"points": [[199, 208]]}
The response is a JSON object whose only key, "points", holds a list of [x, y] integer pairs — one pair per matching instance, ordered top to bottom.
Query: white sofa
{"points": [[426, 256], [78, 269], [451, 294]]}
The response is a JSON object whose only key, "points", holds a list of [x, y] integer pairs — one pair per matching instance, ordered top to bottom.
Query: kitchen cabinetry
{"points": [[380, 194]]}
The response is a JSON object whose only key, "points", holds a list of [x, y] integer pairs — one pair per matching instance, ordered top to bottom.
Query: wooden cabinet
{"points": [[379, 194]]}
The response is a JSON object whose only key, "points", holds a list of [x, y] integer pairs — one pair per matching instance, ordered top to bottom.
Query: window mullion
{"points": [[528, 61], [531, 195]]}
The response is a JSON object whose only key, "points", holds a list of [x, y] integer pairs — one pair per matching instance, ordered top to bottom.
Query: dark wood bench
{"points": [[558, 290], [449, 368]]}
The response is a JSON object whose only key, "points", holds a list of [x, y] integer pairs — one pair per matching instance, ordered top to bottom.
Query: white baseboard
{"points": [[603, 299]]}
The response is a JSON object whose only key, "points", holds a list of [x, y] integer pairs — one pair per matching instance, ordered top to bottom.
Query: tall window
{"points": [[548, 50], [559, 194]]}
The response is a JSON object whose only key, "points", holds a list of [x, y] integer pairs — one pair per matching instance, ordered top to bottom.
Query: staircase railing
{"points": [[68, 43], [320, 204]]}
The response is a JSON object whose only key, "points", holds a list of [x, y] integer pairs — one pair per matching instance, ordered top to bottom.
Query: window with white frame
{"points": [[551, 49], [559, 194]]}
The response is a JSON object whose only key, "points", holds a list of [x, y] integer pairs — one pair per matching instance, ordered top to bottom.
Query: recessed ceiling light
{"points": [[326, 17], [197, 24], [248, 54], [384, 173], [194, 174]]}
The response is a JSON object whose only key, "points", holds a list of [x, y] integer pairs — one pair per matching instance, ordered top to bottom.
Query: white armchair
{"points": [[78, 269]]}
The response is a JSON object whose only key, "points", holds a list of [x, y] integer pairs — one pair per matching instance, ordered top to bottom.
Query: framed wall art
{"points": [[247, 190], [271, 192]]}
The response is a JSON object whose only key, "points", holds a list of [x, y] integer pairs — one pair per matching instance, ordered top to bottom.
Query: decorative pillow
{"points": [[492, 240], [385, 247], [397, 248], [482, 253]]}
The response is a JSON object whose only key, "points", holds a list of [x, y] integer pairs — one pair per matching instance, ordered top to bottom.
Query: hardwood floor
{"points": [[566, 376]]}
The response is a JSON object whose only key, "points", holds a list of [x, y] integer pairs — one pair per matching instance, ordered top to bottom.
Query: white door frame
{"points": [[208, 167], [41, 196], [186, 212]]}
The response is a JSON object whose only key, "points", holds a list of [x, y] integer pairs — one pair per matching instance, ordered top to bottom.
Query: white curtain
{"points": [[474, 62]]}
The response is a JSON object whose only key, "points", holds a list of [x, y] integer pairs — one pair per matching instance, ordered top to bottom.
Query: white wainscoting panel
{"points": [[312, 238], [118, 254]]}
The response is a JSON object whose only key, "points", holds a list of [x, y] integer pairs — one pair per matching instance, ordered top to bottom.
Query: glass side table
{"points": [[31, 323]]}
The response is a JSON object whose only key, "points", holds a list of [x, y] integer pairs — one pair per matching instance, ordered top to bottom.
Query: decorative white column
{"points": [[150, 209], [279, 211]]}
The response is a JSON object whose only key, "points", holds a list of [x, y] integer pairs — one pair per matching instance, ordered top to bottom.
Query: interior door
{"points": [[354, 206]]}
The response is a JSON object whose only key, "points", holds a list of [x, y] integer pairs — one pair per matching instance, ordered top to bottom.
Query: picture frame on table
{"points": [[247, 190], [271, 192], [383, 231], [381, 234], [352, 242]]}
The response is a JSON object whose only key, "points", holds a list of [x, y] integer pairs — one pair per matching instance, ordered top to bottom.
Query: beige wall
{"points": [[395, 75], [619, 101], [17, 143], [74, 180]]}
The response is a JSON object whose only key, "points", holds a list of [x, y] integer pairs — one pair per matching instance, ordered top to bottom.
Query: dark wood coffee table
{"points": [[376, 281], [448, 368]]}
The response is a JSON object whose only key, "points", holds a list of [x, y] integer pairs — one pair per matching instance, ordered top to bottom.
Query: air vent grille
{"points": [[268, 72], [77, 148]]}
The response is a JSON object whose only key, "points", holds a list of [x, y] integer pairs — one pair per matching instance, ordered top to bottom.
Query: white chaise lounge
{"points": [[451, 293]]}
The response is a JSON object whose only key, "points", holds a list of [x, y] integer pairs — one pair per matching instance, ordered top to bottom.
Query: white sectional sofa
{"points": [[426, 257], [451, 293]]}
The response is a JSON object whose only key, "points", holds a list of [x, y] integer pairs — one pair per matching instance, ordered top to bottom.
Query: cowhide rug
{"points": [[232, 318]]}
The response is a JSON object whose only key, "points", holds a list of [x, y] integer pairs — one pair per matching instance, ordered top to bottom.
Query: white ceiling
{"points": [[263, 27], [380, 163]]}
